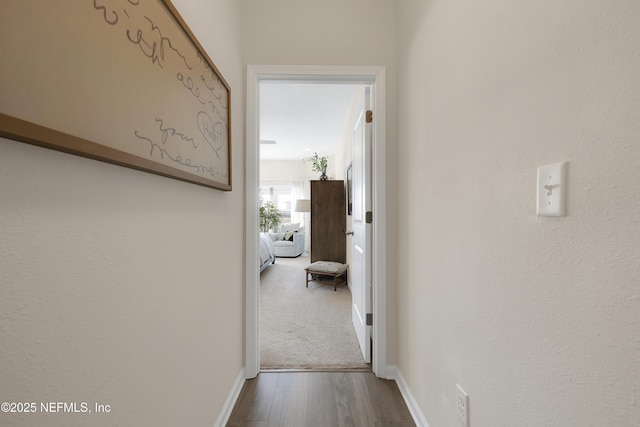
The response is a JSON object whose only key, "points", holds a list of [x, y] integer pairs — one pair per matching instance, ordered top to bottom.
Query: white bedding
{"points": [[267, 252]]}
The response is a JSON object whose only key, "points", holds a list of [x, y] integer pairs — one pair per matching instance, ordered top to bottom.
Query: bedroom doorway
{"points": [[374, 77], [304, 326]]}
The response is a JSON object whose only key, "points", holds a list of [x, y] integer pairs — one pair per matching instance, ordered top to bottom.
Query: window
{"points": [[280, 194]]}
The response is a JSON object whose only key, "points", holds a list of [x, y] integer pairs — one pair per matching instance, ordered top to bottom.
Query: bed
{"points": [[267, 252]]}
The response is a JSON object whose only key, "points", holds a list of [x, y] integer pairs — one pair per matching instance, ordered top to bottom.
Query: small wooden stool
{"points": [[326, 268]]}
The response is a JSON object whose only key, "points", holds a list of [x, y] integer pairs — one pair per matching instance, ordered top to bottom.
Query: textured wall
{"points": [[122, 287], [536, 318]]}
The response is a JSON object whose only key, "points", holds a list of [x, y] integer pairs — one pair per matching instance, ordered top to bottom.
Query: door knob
{"points": [[349, 233]]}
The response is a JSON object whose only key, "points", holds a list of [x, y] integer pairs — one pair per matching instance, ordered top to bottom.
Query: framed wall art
{"points": [[121, 81], [349, 182]]}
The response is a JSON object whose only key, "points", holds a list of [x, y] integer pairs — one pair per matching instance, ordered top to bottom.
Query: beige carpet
{"points": [[305, 328]]}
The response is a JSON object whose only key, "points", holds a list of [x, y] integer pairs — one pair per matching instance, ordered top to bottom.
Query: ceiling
{"points": [[302, 118]]}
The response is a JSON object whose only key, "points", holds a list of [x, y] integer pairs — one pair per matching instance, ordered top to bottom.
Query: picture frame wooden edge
{"points": [[41, 136]]}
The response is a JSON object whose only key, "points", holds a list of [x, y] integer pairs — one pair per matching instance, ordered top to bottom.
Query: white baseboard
{"points": [[393, 372], [225, 413]]}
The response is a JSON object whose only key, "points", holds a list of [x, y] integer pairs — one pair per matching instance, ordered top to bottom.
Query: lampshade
{"points": [[303, 205]]}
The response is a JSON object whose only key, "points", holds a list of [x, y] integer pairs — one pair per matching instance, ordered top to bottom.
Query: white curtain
{"points": [[300, 190]]}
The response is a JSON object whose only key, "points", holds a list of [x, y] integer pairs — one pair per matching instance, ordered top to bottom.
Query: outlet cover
{"points": [[462, 406]]}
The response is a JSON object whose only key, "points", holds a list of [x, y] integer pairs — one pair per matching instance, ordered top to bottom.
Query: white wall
{"points": [[333, 32], [293, 170], [122, 287], [536, 318]]}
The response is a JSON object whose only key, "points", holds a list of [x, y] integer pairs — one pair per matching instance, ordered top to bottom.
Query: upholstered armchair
{"points": [[289, 240]]}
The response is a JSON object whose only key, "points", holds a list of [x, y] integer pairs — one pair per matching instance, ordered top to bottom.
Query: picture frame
{"points": [[134, 87], [349, 182]]}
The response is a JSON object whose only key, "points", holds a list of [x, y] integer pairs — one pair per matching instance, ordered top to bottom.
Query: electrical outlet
{"points": [[462, 405]]}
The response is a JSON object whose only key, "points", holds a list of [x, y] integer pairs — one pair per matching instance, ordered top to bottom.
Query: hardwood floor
{"points": [[320, 399]]}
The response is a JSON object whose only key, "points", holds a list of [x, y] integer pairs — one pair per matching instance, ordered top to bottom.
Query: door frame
{"points": [[374, 76]]}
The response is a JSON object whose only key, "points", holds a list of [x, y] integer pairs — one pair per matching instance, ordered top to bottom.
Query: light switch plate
{"points": [[551, 189]]}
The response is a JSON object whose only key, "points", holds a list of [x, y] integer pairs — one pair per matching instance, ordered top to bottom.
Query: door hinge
{"points": [[369, 117], [368, 217], [369, 319]]}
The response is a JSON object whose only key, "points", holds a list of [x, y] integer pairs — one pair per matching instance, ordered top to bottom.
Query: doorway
{"points": [[374, 76], [306, 327]]}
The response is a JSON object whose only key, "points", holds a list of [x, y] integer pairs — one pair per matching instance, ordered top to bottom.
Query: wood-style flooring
{"points": [[320, 399]]}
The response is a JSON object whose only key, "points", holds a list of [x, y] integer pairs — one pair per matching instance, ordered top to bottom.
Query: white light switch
{"points": [[551, 186]]}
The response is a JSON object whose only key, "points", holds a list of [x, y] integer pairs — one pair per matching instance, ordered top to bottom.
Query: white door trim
{"points": [[337, 74]]}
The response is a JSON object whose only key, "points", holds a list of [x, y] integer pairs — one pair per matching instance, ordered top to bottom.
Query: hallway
{"points": [[320, 399]]}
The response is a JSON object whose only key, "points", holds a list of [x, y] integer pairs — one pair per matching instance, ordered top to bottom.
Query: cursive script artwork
{"points": [[138, 88], [204, 152]]}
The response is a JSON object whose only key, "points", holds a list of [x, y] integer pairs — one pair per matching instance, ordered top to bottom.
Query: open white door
{"points": [[361, 285]]}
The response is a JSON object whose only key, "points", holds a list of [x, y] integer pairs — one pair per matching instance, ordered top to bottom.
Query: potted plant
{"points": [[318, 164], [269, 216]]}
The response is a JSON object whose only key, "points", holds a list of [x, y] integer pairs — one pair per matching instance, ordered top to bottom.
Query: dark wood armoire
{"points": [[328, 221]]}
